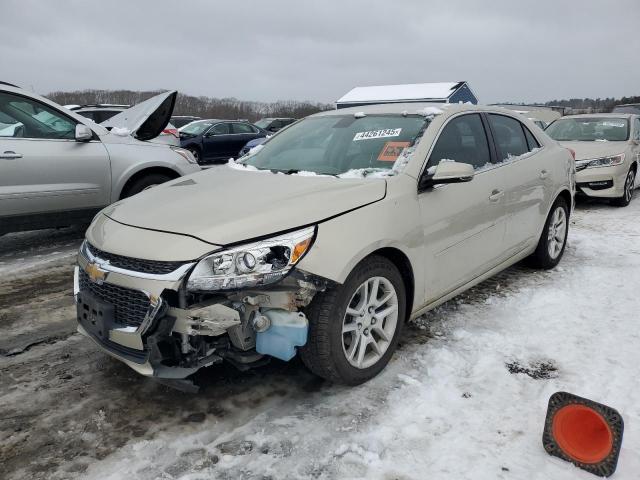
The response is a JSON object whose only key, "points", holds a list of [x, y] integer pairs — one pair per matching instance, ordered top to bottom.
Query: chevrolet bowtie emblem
{"points": [[96, 275]]}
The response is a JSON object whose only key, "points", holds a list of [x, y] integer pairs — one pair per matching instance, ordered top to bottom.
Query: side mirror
{"points": [[83, 133], [447, 172]]}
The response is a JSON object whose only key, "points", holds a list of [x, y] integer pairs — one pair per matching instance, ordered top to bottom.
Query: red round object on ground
{"points": [[582, 433]]}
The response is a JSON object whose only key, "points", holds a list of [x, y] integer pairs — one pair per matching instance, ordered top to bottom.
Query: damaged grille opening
{"points": [[154, 267], [131, 306]]}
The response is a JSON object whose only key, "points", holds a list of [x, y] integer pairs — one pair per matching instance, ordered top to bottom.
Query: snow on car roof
{"points": [[412, 91]]}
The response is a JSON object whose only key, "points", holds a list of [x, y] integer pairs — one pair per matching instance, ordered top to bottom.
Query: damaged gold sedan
{"points": [[324, 241]]}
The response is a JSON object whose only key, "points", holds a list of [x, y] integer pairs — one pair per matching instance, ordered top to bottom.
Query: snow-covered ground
{"points": [[464, 398]]}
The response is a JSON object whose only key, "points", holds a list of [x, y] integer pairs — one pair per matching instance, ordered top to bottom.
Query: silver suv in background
{"points": [[58, 168]]}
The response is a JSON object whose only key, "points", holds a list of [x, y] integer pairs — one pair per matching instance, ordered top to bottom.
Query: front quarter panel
{"points": [[130, 156], [393, 222]]}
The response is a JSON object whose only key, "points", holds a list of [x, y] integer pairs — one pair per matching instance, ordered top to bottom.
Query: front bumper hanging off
{"points": [[124, 313]]}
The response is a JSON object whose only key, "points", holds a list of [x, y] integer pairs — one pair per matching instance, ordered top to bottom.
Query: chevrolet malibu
{"points": [[607, 149], [324, 241]]}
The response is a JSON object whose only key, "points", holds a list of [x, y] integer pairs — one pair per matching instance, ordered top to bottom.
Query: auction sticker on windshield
{"points": [[387, 132], [391, 151]]}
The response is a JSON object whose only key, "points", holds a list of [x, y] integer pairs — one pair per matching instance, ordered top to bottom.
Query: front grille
{"points": [[155, 267], [130, 306]]}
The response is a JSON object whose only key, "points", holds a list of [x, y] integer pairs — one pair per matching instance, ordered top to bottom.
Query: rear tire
{"points": [[145, 182], [627, 195], [553, 240], [366, 313]]}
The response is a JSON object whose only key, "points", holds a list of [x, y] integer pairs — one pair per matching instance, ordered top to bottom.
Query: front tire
{"points": [[145, 182], [627, 195], [553, 240], [354, 327]]}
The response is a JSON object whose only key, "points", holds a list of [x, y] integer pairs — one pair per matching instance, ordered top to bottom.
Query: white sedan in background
{"points": [[607, 150]]}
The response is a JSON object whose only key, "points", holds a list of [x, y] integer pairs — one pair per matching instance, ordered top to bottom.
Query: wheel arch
{"points": [[143, 173], [566, 195], [403, 264]]}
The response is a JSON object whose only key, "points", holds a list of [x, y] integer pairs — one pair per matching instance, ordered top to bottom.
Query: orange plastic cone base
{"points": [[583, 432]]}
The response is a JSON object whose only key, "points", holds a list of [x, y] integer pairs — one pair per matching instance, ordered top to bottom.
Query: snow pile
{"points": [[430, 112], [121, 131], [256, 149], [232, 163], [368, 173]]}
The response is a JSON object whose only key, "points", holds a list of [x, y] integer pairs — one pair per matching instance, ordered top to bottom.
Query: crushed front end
{"points": [[167, 319]]}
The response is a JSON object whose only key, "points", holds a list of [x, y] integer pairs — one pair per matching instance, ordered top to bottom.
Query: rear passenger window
{"points": [[243, 128], [220, 129], [509, 136], [463, 140], [531, 140]]}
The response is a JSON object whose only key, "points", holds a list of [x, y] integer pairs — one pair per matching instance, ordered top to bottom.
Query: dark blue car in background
{"points": [[215, 141]]}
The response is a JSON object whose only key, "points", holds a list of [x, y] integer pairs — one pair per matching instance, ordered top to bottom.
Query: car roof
{"points": [[412, 108], [600, 115]]}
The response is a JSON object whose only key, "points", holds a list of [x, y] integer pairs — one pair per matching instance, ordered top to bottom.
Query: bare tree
{"points": [[205, 107]]}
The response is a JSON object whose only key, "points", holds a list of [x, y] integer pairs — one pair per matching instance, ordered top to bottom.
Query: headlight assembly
{"points": [[184, 153], [605, 161], [254, 264]]}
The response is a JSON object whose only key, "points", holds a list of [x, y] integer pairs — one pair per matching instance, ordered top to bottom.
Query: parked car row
{"points": [[447, 195]]}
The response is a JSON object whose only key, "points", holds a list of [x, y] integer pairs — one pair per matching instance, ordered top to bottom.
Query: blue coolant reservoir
{"points": [[287, 331]]}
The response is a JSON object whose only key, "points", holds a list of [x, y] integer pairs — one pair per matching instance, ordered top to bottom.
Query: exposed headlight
{"points": [[184, 153], [603, 162], [253, 264]]}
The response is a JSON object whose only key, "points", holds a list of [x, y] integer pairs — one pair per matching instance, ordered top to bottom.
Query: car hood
{"points": [[147, 119], [587, 150], [224, 205]]}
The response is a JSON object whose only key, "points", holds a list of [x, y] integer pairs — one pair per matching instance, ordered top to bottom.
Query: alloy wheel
{"points": [[628, 186], [557, 232], [370, 322]]}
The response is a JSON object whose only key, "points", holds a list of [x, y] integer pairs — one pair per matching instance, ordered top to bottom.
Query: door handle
{"points": [[9, 155], [544, 174], [496, 195]]}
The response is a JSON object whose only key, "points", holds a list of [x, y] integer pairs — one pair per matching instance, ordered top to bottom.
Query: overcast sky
{"points": [[508, 50]]}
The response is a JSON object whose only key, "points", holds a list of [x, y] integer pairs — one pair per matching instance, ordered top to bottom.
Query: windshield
{"points": [[264, 123], [195, 128], [589, 129], [332, 145]]}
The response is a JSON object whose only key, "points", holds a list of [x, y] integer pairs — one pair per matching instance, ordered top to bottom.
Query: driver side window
{"points": [[22, 117], [463, 140]]}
